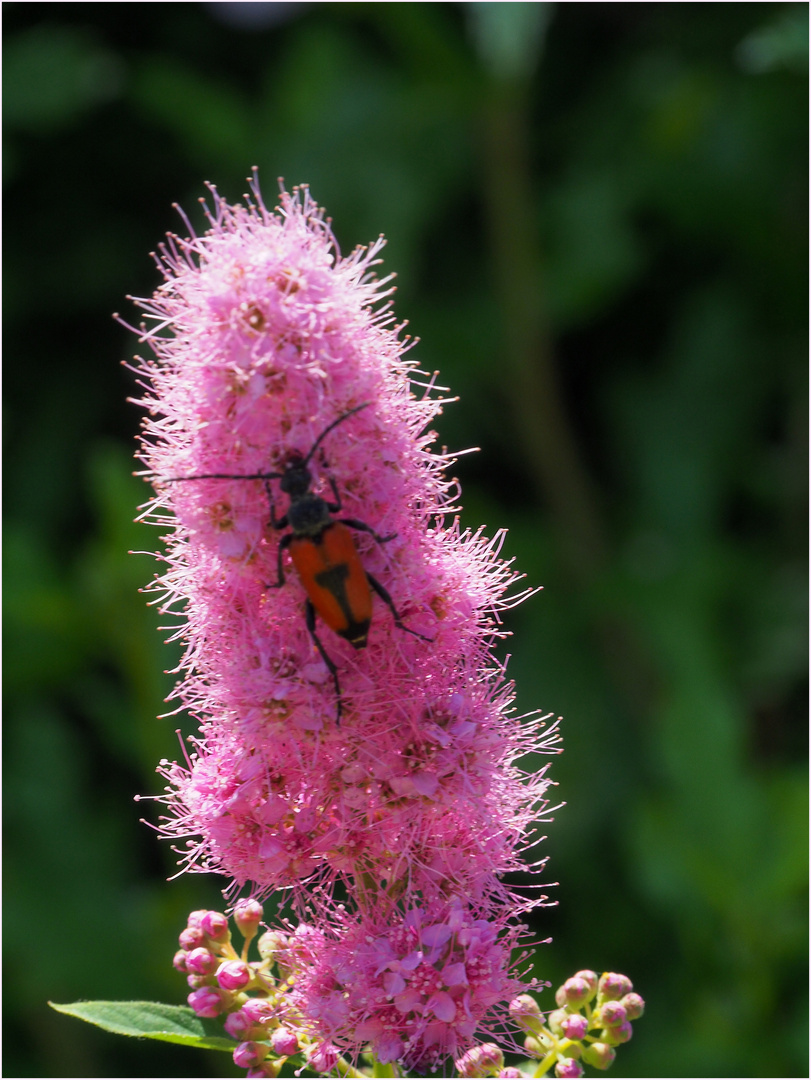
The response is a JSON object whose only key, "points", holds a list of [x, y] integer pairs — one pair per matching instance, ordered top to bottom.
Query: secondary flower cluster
{"points": [[282, 419], [362, 987], [593, 1016]]}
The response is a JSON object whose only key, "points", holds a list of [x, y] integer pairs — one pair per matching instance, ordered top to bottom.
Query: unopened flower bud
{"points": [[248, 915], [194, 919], [215, 926], [191, 938], [270, 943], [179, 961], [201, 962], [233, 975], [590, 977], [196, 982], [613, 986], [576, 991], [207, 1002], [634, 1006], [259, 1009], [526, 1012], [610, 1015], [556, 1019], [240, 1025], [574, 1026], [622, 1033], [284, 1042], [533, 1047], [249, 1054], [599, 1055], [322, 1057], [484, 1060], [269, 1067], [568, 1067]]}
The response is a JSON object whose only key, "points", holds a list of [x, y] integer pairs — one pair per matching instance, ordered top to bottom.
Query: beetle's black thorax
{"points": [[308, 515]]}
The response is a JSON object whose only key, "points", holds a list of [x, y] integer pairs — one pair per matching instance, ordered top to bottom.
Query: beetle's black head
{"points": [[296, 478]]}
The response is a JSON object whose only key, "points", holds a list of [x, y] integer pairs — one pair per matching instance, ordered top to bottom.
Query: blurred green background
{"points": [[598, 218]]}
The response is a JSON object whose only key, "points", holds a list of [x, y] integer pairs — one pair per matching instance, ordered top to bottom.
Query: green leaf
{"points": [[149, 1020]]}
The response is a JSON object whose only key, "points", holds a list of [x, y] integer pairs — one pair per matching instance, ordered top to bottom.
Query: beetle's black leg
{"points": [[333, 507], [276, 523], [353, 523], [283, 543], [386, 598], [309, 618]]}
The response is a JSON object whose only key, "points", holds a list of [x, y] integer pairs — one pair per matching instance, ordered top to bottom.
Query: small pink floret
{"points": [[214, 925], [201, 962], [233, 975], [206, 1002], [575, 1027], [284, 1042], [249, 1054], [322, 1057], [568, 1067]]}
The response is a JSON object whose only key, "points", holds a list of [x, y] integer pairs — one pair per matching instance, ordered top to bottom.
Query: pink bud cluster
{"points": [[415, 806], [225, 983], [593, 1017]]}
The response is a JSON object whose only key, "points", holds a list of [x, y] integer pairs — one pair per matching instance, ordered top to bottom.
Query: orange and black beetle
{"points": [[323, 553]]}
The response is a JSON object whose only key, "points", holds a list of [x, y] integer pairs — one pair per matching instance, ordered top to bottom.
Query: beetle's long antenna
{"points": [[335, 423], [271, 475], [222, 476]]}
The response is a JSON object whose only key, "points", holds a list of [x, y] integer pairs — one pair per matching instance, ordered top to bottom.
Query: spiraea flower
{"points": [[265, 340], [357, 738], [416, 987]]}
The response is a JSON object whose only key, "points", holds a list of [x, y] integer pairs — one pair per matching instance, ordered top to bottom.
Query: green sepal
{"points": [[150, 1020]]}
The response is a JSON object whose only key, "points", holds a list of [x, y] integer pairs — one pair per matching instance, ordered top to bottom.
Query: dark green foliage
{"points": [[599, 228]]}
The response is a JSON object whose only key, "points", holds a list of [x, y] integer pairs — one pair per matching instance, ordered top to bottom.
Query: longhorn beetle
{"points": [[323, 552]]}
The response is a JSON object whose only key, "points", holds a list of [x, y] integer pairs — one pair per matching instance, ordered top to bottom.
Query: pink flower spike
{"points": [[279, 388], [358, 749]]}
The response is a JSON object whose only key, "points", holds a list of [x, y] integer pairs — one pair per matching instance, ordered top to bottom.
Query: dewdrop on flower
{"points": [[263, 336]]}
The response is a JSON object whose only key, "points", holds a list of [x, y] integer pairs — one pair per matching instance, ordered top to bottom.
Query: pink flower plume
{"points": [[270, 348]]}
